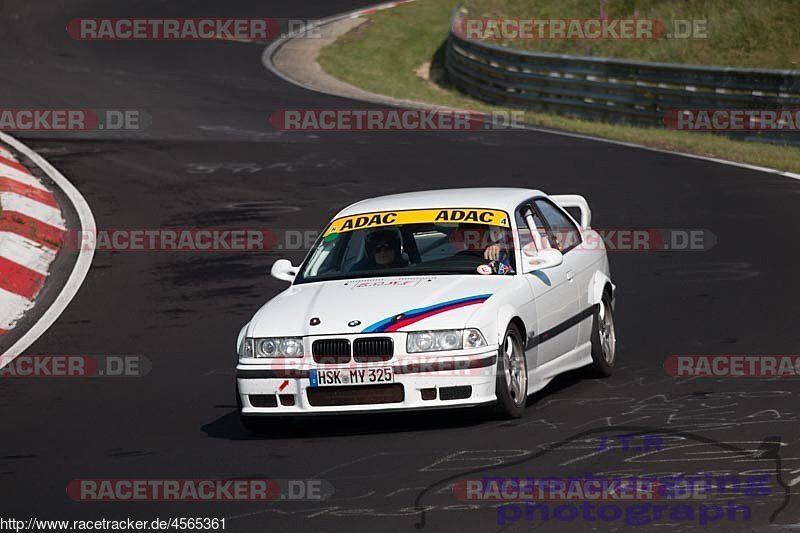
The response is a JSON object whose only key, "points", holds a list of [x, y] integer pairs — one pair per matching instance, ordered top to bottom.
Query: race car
{"points": [[436, 299]]}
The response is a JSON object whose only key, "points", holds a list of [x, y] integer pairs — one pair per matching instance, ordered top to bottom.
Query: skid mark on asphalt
{"points": [[251, 135], [223, 168], [252, 214], [705, 271], [702, 409], [538, 421], [768, 449], [117, 452], [470, 459]]}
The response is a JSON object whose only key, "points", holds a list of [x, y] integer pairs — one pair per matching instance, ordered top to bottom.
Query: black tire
{"points": [[603, 364], [511, 400]]}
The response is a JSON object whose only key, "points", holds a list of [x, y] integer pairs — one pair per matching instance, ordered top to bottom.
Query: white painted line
{"points": [[269, 51], [757, 168], [22, 177], [12, 201], [26, 252], [85, 254], [12, 307]]}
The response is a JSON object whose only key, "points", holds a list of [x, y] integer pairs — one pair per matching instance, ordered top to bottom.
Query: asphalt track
{"points": [[210, 104]]}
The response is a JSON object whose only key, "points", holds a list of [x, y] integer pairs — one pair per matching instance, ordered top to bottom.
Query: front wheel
{"points": [[604, 340], [512, 376]]}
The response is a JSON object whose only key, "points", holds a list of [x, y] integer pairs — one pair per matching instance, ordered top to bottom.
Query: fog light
{"points": [[428, 394], [287, 400]]}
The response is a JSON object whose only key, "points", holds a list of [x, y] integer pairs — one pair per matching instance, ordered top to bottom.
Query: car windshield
{"points": [[422, 246]]}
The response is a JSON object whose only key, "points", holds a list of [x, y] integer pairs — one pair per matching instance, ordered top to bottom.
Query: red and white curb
{"points": [[32, 230]]}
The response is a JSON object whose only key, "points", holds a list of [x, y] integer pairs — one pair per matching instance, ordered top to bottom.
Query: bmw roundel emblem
{"points": [[354, 323]]}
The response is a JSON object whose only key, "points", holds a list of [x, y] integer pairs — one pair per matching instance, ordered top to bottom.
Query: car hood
{"points": [[372, 305]]}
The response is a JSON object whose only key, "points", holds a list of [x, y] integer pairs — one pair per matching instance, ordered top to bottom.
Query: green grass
{"points": [[746, 33], [383, 55]]}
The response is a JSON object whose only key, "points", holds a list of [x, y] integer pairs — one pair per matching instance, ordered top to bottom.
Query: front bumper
{"points": [[432, 382]]}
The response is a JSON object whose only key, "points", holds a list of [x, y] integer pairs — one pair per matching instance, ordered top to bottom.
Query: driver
{"points": [[490, 242], [382, 247]]}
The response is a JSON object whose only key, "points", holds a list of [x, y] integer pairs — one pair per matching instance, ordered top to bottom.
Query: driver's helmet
{"points": [[379, 237]]}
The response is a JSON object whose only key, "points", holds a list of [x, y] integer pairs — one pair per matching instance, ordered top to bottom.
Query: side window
{"points": [[522, 225], [564, 232]]}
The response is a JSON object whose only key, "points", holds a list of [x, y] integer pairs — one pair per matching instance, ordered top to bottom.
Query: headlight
{"points": [[443, 340], [268, 347], [272, 347], [292, 347]]}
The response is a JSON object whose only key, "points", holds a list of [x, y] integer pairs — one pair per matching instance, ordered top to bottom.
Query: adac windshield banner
{"points": [[489, 217]]}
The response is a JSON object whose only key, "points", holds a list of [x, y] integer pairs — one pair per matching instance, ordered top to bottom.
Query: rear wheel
{"points": [[604, 340], [512, 376]]}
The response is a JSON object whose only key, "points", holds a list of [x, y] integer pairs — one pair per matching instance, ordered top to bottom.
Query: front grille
{"points": [[368, 350], [331, 351], [455, 393], [355, 395]]}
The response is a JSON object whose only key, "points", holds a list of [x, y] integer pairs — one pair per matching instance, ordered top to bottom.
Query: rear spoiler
{"points": [[575, 201]]}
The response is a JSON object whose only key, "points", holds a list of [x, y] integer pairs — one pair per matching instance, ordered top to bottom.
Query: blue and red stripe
{"points": [[407, 318]]}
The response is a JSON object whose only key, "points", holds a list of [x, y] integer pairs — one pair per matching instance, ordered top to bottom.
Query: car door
{"points": [[568, 239], [555, 297]]}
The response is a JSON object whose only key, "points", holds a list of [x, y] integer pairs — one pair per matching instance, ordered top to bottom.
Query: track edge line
{"points": [[82, 264]]}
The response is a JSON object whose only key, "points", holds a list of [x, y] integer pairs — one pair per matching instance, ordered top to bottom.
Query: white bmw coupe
{"points": [[435, 299]]}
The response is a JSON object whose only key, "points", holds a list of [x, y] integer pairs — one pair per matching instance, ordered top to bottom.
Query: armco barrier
{"points": [[613, 90]]}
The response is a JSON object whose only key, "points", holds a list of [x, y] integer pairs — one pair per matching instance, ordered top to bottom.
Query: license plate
{"points": [[334, 377]]}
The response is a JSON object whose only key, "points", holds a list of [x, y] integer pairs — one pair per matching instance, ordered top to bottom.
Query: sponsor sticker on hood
{"points": [[380, 283]]}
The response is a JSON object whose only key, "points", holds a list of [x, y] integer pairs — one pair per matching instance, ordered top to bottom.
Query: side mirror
{"points": [[533, 260], [284, 270]]}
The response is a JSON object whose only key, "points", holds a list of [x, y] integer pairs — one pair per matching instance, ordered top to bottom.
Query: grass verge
{"points": [[734, 33], [384, 55]]}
